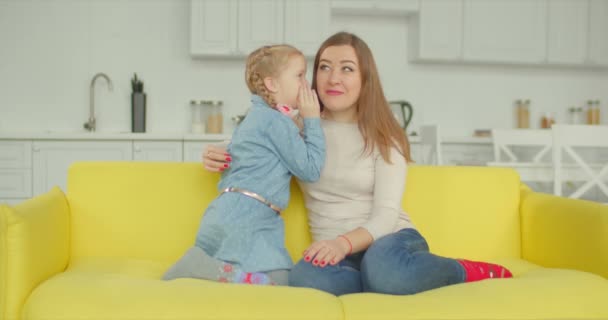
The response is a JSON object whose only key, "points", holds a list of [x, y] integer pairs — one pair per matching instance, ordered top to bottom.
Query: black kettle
{"points": [[407, 112]]}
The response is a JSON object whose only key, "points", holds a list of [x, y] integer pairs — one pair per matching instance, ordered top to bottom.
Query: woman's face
{"points": [[339, 80]]}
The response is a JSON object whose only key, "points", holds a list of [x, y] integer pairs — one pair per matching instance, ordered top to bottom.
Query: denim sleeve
{"points": [[303, 155]]}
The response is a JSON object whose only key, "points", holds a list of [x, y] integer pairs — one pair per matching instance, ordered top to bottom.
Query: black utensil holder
{"points": [[138, 112]]}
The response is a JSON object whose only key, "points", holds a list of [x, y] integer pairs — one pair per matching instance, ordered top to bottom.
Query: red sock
{"points": [[475, 270]]}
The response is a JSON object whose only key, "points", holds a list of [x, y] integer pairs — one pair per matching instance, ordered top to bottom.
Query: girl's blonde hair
{"points": [[267, 61], [377, 123]]}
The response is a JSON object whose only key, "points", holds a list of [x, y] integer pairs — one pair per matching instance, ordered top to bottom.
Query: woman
{"points": [[363, 241]]}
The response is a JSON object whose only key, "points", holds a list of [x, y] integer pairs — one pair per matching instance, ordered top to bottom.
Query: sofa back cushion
{"points": [[150, 210], [466, 212]]}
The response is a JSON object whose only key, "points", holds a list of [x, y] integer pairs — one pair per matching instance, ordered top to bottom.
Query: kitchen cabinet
{"points": [[378, 7], [260, 23], [307, 24], [213, 27], [237, 27], [511, 31], [567, 31], [436, 32], [538, 32], [598, 33], [193, 150], [157, 151], [51, 159], [32, 165], [15, 171], [15, 183]]}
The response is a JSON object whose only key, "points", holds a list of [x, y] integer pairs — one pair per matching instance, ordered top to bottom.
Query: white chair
{"points": [[568, 137], [430, 144], [531, 166]]}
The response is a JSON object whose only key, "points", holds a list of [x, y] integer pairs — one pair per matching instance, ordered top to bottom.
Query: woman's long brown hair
{"points": [[377, 123]]}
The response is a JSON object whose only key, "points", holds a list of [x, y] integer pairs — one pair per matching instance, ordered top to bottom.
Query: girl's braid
{"points": [[264, 62]]}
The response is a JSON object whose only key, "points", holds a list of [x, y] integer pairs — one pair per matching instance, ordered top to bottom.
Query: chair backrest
{"points": [[504, 139], [568, 140], [430, 145], [526, 150]]}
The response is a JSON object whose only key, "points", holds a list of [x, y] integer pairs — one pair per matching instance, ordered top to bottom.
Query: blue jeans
{"points": [[399, 263]]}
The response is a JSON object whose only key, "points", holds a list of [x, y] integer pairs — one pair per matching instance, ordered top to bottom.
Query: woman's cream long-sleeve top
{"points": [[355, 189]]}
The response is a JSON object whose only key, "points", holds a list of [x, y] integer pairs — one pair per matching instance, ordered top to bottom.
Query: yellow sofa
{"points": [[98, 251]]}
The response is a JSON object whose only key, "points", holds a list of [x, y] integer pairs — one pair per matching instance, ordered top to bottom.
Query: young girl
{"points": [[241, 235]]}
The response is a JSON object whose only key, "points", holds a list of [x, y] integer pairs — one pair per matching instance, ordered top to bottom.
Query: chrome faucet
{"points": [[91, 125]]}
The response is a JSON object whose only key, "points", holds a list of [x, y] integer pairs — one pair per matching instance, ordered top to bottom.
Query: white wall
{"points": [[49, 51]]}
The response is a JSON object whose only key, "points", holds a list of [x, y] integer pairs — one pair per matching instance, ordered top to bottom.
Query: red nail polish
{"points": [[228, 159], [225, 165], [221, 169], [307, 258], [316, 261]]}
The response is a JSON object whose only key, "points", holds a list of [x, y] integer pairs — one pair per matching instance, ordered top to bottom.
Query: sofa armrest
{"points": [[564, 233], [34, 245]]}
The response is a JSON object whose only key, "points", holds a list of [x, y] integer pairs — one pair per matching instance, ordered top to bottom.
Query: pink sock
{"points": [[475, 270], [230, 274]]}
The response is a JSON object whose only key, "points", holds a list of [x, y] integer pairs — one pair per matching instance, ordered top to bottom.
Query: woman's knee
{"points": [[387, 264], [382, 275]]}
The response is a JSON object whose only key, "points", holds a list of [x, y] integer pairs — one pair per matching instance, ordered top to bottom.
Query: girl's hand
{"points": [[308, 102], [215, 158], [326, 252]]}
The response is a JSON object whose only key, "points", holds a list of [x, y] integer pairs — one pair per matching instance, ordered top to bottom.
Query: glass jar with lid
{"points": [[522, 110], [576, 115], [207, 116], [197, 117], [215, 118]]}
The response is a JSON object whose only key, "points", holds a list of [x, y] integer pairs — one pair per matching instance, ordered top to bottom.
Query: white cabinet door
{"points": [[379, 7], [260, 23], [307, 24], [213, 27], [237, 27], [506, 31], [567, 31], [598, 32], [436, 33], [193, 150], [157, 151], [16, 154], [51, 159], [15, 170], [15, 183], [12, 201]]}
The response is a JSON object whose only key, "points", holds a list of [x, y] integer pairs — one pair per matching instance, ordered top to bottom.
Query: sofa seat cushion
{"points": [[130, 289], [534, 293]]}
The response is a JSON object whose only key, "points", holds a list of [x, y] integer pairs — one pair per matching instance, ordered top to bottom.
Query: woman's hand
{"points": [[308, 102], [215, 158], [327, 252]]}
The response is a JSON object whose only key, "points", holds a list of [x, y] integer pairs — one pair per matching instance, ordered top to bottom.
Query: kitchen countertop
{"points": [[158, 136], [175, 136]]}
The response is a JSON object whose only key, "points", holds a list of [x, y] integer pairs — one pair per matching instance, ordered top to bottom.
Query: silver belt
{"points": [[255, 196]]}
